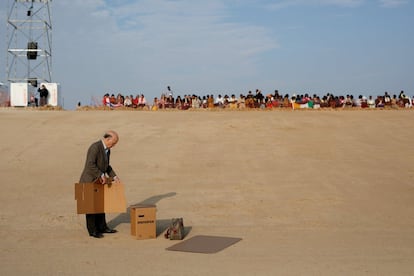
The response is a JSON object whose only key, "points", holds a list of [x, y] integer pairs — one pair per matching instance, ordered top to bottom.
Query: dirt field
{"points": [[309, 192]]}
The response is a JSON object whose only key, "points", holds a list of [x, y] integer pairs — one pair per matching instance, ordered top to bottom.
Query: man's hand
{"points": [[116, 179]]}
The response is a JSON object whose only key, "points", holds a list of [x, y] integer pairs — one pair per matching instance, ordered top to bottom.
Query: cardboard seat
{"points": [[143, 221]]}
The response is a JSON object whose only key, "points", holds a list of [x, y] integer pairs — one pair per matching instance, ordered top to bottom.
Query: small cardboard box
{"points": [[94, 198], [143, 221]]}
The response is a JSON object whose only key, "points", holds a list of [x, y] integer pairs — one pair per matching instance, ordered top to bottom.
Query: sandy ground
{"points": [[309, 192]]}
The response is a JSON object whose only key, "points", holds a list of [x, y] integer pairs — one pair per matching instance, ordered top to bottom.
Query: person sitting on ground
{"points": [[259, 98], [112, 99], [387, 99], [250, 100], [33, 101], [106, 101], [118, 101], [135, 101], [162, 101], [170, 101], [210, 101], [219, 101], [226, 101], [268, 101], [286, 101], [394, 101], [404, 101], [127, 102], [142, 102], [178, 102], [186, 102], [195, 102], [204, 102], [232, 102], [241, 102], [276, 102], [316, 102], [347, 102], [357, 102], [364, 102], [371, 102], [379, 102], [311, 103], [155, 104]]}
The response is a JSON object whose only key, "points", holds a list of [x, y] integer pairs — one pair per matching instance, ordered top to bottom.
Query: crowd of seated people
{"points": [[258, 100], [124, 101]]}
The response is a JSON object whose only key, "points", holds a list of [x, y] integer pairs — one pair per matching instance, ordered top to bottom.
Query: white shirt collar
{"points": [[105, 148]]}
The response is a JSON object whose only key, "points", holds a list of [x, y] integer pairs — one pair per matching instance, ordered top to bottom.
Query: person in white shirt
{"points": [[219, 101], [127, 102], [142, 102], [371, 102]]}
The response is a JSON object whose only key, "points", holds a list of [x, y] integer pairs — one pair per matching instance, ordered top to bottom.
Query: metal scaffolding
{"points": [[29, 38]]}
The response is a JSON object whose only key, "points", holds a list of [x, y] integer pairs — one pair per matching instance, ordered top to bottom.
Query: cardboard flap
{"points": [[78, 191], [114, 198]]}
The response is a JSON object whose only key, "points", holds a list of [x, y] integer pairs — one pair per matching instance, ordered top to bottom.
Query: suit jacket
{"points": [[96, 164]]}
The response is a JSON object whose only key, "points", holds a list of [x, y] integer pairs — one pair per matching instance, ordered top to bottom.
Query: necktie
{"points": [[108, 152]]}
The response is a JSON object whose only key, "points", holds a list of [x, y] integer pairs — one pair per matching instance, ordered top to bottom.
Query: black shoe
{"points": [[109, 230], [96, 235]]}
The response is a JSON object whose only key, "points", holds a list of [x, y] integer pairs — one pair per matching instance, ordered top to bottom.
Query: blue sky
{"points": [[229, 46]]}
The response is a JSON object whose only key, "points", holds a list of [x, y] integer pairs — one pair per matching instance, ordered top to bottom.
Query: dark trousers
{"points": [[43, 101], [95, 223]]}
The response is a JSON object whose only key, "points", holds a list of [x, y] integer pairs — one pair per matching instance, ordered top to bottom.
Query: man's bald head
{"points": [[110, 138]]}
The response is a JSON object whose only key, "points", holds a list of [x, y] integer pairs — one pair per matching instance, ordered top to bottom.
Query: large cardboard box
{"points": [[95, 198], [143, 221]]}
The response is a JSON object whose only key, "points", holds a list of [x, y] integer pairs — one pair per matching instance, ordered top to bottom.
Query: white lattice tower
{"points": [[29, 41]]}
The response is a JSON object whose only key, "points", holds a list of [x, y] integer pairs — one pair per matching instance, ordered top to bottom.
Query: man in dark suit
{"points": [[44, 93], [97, 169]]}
